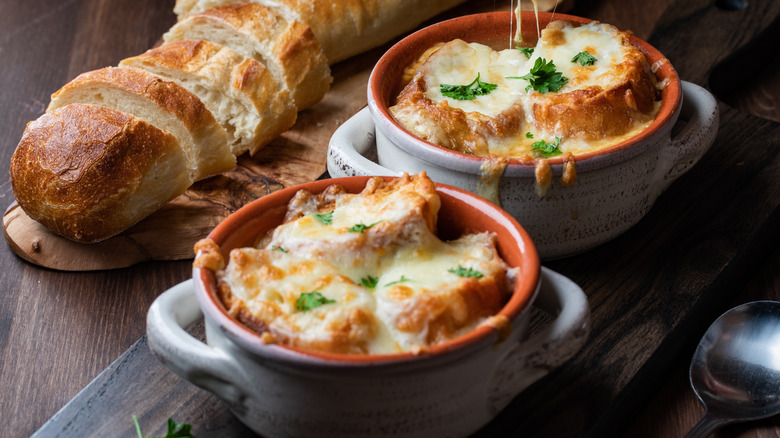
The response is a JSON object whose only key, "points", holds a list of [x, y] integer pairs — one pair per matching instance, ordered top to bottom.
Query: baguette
{"points": [[343, 28], [288, 48], [227, 80], [239, 91], [161, 103], [88, 172]]}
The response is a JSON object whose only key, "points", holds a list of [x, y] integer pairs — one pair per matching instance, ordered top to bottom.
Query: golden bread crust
{"points": [[343, 28], [300, 64], [233, 76], [209, 154], [81, 171]]}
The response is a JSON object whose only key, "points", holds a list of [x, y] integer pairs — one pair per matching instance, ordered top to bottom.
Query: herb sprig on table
{"points": [[175, 430]]}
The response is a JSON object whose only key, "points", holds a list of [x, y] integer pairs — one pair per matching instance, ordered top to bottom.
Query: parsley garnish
{"points": [[527, 51], [584, 58], [543, 77], [467, 92], [529, 135], [547, 150], [325, 218], [359, 228], [279, 248], [460, 271], [400, 280], [369, 282], [311, 300], [180, 430]]}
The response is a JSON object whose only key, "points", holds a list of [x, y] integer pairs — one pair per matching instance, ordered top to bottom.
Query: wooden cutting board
{"points": [[652, 291]]}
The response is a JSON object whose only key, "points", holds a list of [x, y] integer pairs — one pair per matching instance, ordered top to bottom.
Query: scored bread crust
{"points": [[343, 28], [288, 48], [161, 103], [259, 110], [88, 172]]}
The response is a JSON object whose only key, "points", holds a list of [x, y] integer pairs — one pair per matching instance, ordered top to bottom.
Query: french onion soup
{"points": [[581, 88], [363, 273]]}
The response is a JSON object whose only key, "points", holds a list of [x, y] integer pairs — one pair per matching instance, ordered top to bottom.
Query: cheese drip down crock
{"points": [[600, 103], [363, 273]]}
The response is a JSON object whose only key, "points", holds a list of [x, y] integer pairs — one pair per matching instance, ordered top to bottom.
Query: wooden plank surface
{"points": [[652, 291]]}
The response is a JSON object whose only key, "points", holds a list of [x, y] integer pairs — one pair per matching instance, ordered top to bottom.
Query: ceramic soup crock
{"points": [[615, 186], [452, 390]]}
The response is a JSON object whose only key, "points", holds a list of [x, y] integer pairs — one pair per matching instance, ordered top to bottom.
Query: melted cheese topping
{"points": [[458, 62], [609, 87], [391, 288]]}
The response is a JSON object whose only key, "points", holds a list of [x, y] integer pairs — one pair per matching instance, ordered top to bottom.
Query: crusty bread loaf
{"points": [[343, 28], [287, 48], [251, 66], [239, 91], [161, 103], [88, 172]]}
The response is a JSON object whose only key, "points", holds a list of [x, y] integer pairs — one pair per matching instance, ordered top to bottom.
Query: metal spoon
{"points": [[735, 370]]}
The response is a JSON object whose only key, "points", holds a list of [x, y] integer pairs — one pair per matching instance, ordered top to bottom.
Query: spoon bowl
{"points": [[735, 371]]}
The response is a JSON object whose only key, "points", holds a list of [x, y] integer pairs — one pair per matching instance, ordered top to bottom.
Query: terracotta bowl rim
{"points": [[435, 154], [525, 291]]}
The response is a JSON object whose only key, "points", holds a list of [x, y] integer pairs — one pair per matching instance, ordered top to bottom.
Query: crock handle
{"points": [[348, 146], [686, 147], [544, 351], [205, 366]]}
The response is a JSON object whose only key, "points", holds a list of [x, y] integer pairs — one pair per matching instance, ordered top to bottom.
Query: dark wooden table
{"points": [[709, 243]]}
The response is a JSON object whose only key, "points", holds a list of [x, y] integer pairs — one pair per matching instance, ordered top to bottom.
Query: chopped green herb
{"points": [[527, 51], [584, 58], [543, 77], [468, 92], [529, 135], [547, 150], [325, 218], [359, 228], [279, 248], [460, 271], [400, 280], [369, 282], [311, 300], [180, 430]]}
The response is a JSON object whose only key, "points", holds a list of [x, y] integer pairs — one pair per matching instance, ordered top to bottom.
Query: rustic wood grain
{"points": [[653, 291]]}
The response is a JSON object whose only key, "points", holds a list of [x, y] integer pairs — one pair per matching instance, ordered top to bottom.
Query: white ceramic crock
{"points": [[615, 188], [447, 392]]}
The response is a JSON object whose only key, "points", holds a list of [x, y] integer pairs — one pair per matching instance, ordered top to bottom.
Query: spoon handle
{"points": [[706, 426]]}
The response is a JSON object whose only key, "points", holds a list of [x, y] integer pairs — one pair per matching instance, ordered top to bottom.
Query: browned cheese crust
{"points": [[595, 112], [459, 130]]}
